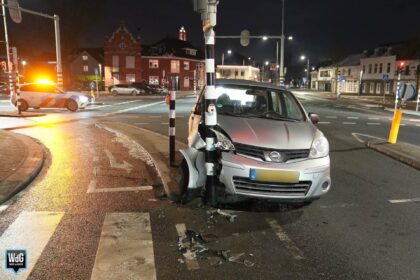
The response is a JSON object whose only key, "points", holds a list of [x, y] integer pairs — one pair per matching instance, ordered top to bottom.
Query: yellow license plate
{"points": [[278, 176]]}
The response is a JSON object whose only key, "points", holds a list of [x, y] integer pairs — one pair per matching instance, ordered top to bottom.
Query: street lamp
{"points": [[265, 38], [229, 52], [303, 57]]}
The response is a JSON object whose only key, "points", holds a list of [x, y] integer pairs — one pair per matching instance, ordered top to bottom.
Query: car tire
{"points": [[114, 93], [134, 93], [24, 105], [72, 105], [183, 178]]}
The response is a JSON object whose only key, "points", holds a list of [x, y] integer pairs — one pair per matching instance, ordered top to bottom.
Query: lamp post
{"points": [[279, 56], [303, 57], [23, 67]]}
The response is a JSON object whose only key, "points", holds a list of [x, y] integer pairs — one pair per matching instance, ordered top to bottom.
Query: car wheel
{"points": [[114, 92], [134, 93], [24, 105], [71, 105], [183, 178]]}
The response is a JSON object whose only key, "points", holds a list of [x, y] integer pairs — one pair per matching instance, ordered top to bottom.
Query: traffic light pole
{"points": [[208, 11], [12, 88]]}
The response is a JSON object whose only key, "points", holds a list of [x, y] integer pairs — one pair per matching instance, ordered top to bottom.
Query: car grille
{"points": [[258, 152], [245, 185]]}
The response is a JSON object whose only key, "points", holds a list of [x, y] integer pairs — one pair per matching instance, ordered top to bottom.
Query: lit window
{"points": [[84, 57], [130, 62], [153, 63], [186, 65], [174, 66], [85, 68], [130, 78], [153, 80]]}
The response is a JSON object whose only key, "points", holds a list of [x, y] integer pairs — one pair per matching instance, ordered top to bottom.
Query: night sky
{"points": [[322, 29]]}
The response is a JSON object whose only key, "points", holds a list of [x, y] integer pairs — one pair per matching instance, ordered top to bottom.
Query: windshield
{"points": [[258, 103]]}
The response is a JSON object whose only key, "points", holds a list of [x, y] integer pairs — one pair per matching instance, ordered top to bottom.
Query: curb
{"points": [[23, 115], [385, 148], [30, 167]]}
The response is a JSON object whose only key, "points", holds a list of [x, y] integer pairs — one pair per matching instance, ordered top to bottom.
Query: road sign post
{"points": [[97, 81]]}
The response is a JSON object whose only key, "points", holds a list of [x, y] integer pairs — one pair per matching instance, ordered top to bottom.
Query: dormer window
{"points": [[123, 45], [189, 51]]}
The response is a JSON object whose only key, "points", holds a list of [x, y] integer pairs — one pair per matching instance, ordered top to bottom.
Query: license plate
{"points": [[278, 176]]}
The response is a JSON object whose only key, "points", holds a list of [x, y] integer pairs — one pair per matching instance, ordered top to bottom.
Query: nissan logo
{"points": [[275, 156]]}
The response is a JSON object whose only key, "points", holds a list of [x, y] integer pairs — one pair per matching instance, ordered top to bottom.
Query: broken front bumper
{"points": [[304, 180]]}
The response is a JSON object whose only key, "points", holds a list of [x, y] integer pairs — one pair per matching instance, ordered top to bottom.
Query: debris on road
{"points": [[230, 217], [195, 245]]}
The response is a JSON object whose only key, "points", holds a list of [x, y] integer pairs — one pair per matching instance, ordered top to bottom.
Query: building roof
{"points": [[171, 46], [402, 50], [352, 60]]}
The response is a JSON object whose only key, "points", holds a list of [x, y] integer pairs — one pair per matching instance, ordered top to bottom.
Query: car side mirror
{"points": [[314, 118]]}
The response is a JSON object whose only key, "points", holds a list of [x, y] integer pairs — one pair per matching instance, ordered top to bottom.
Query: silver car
{"points": [[269, 146]]}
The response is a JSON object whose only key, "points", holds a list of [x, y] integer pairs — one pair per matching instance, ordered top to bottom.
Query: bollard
{"points": [[395, 127], [172, 128]]}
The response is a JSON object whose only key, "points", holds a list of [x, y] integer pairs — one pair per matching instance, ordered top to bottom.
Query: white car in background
{"points": [[42, 95]]}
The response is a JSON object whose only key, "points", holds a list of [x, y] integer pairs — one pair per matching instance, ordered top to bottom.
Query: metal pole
{"points": [[282, 46], [58, 52], [277, 62], [9, 63], [307, 75], [100, 76], [195, 82], [360, 82], [210, 119], [172, 124]]}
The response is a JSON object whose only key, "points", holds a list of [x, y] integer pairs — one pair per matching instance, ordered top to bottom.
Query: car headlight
{"points": [[83, 99], [223, 142], [320, 146]]}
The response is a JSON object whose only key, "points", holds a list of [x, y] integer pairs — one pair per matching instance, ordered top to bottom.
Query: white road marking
{"points": [[127, 102], [137, 107], [155, 117], [331, 117], [353, 118], [373, 118], [414, 120], [324, 122], [141, 123], [165, 123], [349, 123], [376, 123], [402, 124], [417, 124], [356, 136], [134, 149], [114, 164], [93, 188], [405, 200], [338, 205], [31, 231], [282, 235], [125, 249], [190, 257]]}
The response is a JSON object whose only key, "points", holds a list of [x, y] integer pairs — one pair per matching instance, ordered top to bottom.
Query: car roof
{"points": [[248, 83]]}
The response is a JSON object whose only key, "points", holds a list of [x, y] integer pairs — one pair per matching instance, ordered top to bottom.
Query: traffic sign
{"points": [[14, 11], [245, 38], [96, 71], [385, 77], [92, 85]]}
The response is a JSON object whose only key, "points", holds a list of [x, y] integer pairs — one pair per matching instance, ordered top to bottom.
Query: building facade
{"points": [[122, 53], [174, 61], [84, 65], [241, 72], [349, 74], [327, 79]]}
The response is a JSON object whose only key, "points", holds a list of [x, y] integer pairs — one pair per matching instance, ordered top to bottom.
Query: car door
{"points": [[28, 93]]}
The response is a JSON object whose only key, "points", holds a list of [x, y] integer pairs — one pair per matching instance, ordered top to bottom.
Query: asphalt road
{"points": [[96, 210]]}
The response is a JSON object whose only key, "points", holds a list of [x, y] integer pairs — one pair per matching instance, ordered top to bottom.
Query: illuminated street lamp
{"points": [[229, 52], [303, 57]]}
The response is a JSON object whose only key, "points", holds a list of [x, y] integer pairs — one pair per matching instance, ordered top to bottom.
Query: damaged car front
{"points": [[268, 146]]}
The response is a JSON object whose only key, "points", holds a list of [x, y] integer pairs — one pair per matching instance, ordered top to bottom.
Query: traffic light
{"points": [[401, 67]]}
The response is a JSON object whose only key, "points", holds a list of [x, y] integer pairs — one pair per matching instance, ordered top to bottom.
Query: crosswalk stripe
{"points": [[31, 232], [125, 248]]}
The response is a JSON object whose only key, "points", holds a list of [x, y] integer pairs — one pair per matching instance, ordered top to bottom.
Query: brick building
{"points": [[122, 53], [174, 59]]}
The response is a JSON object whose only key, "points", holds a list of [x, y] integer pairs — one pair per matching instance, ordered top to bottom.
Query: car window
{"points": [[292, 108]]}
